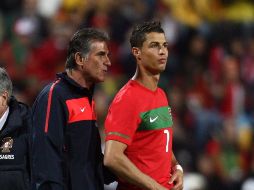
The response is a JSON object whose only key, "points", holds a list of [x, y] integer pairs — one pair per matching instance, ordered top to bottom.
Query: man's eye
{"points": [[154, 45], [101, 54]]}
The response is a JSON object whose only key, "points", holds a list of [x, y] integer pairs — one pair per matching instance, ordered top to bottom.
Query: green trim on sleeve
{"points": [[119, 134]]}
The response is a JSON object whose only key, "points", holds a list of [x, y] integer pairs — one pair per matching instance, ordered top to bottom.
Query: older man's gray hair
{"points": [[5, 83]]}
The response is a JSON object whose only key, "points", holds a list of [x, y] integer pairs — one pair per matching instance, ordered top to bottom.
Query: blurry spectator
{"points": [[48, 8], [10, 10], [14, 54], [48, 57], [247, 67], [232, 99], [223, 150], [194, 181], [248, 184]]}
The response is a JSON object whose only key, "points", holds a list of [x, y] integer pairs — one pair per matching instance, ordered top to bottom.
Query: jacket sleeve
{"points": [[24, 112], [27, 119], [48, 123], [109, 177]]}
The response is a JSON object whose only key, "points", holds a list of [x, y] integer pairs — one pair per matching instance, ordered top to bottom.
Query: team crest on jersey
{"points": [[169, 111], [6, 144]]}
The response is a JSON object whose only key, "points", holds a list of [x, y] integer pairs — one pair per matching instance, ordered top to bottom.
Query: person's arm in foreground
{"points": [[116, 160], [177, 175]]}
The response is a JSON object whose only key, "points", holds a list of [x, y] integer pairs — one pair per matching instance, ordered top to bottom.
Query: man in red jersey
{"points": [[139, 123]]}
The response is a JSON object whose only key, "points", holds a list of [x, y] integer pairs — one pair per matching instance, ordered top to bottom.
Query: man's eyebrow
{"points": [[154, 42], [158, 43], [166, 43], [101, 53]]}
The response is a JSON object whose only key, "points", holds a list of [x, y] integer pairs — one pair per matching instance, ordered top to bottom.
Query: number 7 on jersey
{"points": [[166, 131]]}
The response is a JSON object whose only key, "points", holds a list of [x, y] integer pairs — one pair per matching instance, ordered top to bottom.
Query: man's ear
{"points": [[136, 52], [79, 59], [5, 96]]}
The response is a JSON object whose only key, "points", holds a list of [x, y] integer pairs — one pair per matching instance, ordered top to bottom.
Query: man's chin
{"points": [[159, 71], [99, 80]]}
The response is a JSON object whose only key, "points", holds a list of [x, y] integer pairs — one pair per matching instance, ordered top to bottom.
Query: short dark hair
{"points": [[138, 35], [81, 42]]}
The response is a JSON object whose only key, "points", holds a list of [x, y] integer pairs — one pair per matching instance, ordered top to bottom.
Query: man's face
{"points": [[154, 53], [97, 63], [3, 103]]}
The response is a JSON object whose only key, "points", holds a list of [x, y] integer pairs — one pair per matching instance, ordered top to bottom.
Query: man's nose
{"points": [[163, 50], [107, 61]]}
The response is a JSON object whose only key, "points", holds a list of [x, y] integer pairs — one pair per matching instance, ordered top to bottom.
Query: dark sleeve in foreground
{"points": [[27, 120], [47, 143], [109, 177]]}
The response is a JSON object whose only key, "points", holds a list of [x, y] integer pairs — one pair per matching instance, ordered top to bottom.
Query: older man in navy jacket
{"points": [[15, 122], [66, 142]]}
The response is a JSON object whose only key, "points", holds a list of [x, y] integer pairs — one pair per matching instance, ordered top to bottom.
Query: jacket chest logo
{"points": [[80, 109], [6, 144]]}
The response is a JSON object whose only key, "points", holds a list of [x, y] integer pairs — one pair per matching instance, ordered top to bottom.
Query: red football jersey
{"points": [[142, 119]]}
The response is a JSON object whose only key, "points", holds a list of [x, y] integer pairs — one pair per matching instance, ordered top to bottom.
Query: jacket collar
{"points": [[73, 83], [4, 118], [14, 119]]}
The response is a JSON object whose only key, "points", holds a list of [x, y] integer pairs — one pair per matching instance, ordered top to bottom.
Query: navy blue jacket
{"points": [[66, 145], [14, 148]]}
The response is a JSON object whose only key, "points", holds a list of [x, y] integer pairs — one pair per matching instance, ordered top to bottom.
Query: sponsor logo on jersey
{"points": [[153, 119], [156, 119]]}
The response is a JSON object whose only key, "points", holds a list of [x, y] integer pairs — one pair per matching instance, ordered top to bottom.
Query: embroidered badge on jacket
{"points": [[7, 143]]}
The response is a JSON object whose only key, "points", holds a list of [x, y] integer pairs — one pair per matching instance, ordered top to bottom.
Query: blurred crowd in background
{"points": [[209, 78]]}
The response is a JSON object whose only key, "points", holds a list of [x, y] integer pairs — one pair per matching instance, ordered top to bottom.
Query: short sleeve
{"points": [[122, 119]]}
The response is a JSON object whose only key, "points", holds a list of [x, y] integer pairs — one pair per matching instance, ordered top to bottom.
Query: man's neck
{"points": [[78, 78], [149, 81], [3, 117]]}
